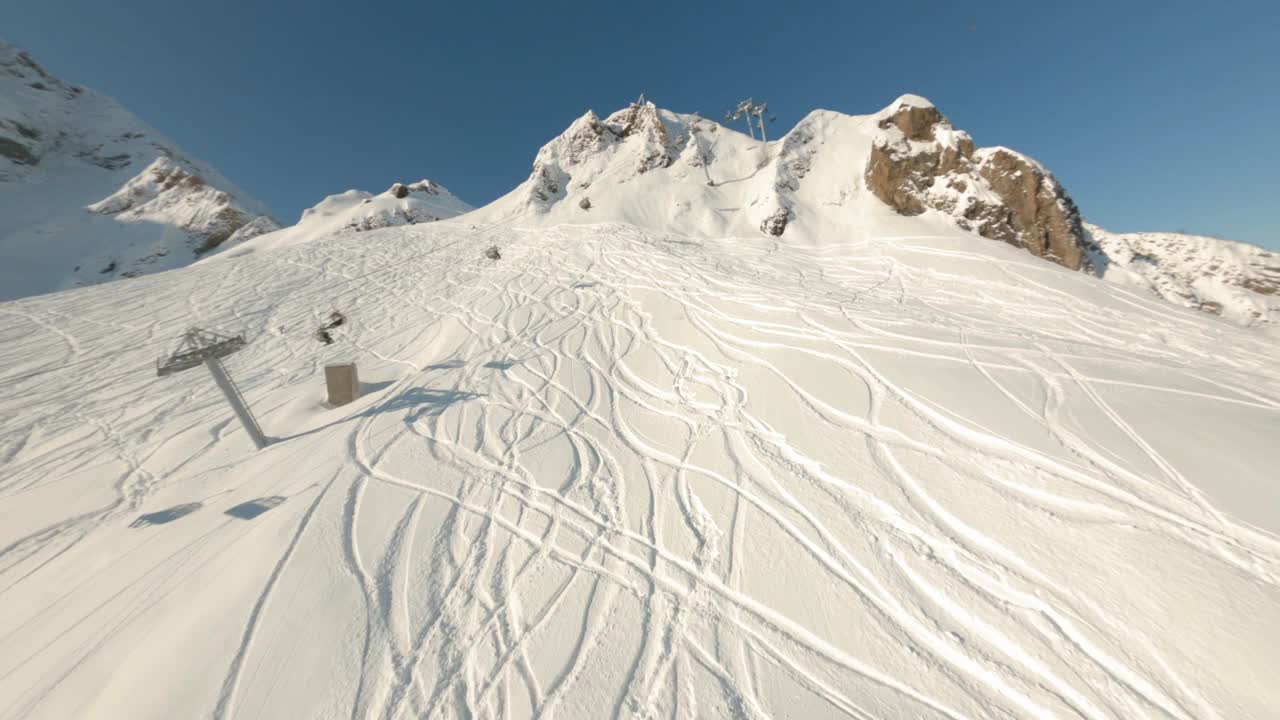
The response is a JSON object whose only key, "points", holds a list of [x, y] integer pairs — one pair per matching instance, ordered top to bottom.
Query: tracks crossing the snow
{"points": [[642, 475]]}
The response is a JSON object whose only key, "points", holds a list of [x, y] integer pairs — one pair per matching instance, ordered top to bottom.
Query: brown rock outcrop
{"points": [[920, 162], [1041, 216]]}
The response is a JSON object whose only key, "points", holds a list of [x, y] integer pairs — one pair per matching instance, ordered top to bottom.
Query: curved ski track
{"points": [[619, 473]]}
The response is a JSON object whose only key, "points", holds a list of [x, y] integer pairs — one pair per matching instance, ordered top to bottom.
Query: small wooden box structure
{"points": [[342, 382]]}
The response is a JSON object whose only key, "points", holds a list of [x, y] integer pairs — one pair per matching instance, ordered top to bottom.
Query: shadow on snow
{"points": [[419, 401], [254, 508], [167, 515]]}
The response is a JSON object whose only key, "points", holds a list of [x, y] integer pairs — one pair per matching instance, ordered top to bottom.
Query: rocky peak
{"points": [[914, 117], [641, 120], [637, 134], [585, 137], [920, 162], [160, 176], [401, 191], [165, 192], [92, 193], [404, 204]]}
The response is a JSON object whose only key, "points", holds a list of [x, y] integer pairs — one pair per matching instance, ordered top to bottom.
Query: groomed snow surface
{"points": [[633, 473]]}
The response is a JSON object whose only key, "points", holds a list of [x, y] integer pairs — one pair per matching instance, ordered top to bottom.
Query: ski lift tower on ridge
{"points": [[205, 347]]}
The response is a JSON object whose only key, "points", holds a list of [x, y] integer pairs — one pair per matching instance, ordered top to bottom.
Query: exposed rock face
{"points": [[914, 119], [641, 120], [17, 152], [794, 160], [919, 162], [401, 191], [1039, 216], [776, 223]]}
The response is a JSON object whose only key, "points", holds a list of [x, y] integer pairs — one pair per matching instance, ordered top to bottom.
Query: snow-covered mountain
{"points": [[686, 174], [90, 193], [93, 194], [357, 211], [1238, 281], [720, 432], [625, 472]]}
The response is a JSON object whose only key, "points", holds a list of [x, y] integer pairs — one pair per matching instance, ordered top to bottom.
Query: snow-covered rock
{"points": [[920, 162], [683, 173], [89, 193], [165, 193], [357, 211], [1238, 281]]}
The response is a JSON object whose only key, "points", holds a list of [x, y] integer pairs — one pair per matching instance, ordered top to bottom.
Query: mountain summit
{"points": [[833, 173], [92, 193]]}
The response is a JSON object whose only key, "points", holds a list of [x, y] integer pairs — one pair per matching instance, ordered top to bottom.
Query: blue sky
{"points": [[1156, 116]]}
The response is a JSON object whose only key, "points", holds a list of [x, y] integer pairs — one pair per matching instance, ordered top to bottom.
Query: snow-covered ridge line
{"points": [[682, 173], [91, 193], [130, 203], [356, 211], [1239, 281]]}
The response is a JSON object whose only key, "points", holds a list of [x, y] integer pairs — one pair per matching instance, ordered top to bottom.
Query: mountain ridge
{"points": [[683, 173], [93, 193]]}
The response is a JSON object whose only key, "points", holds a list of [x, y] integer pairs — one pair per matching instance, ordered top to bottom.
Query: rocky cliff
{"points": [[920, 162]]}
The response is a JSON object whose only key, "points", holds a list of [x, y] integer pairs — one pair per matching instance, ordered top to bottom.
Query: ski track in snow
{"points": [[635, 474]]}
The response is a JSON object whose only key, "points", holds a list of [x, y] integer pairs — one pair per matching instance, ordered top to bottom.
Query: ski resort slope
{"points": [[633, 473]]}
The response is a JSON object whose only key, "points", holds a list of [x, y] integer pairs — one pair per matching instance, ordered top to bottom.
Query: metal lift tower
{"points": [[205, 347]]}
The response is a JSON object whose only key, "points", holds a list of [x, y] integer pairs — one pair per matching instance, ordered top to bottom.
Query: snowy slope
{"points": [[682, 173], [90, 193], [358, 211], [1238, 281], [898, 471]]}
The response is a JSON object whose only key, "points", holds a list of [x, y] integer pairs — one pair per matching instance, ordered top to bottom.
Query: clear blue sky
{"points": [[1155, 115]]}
